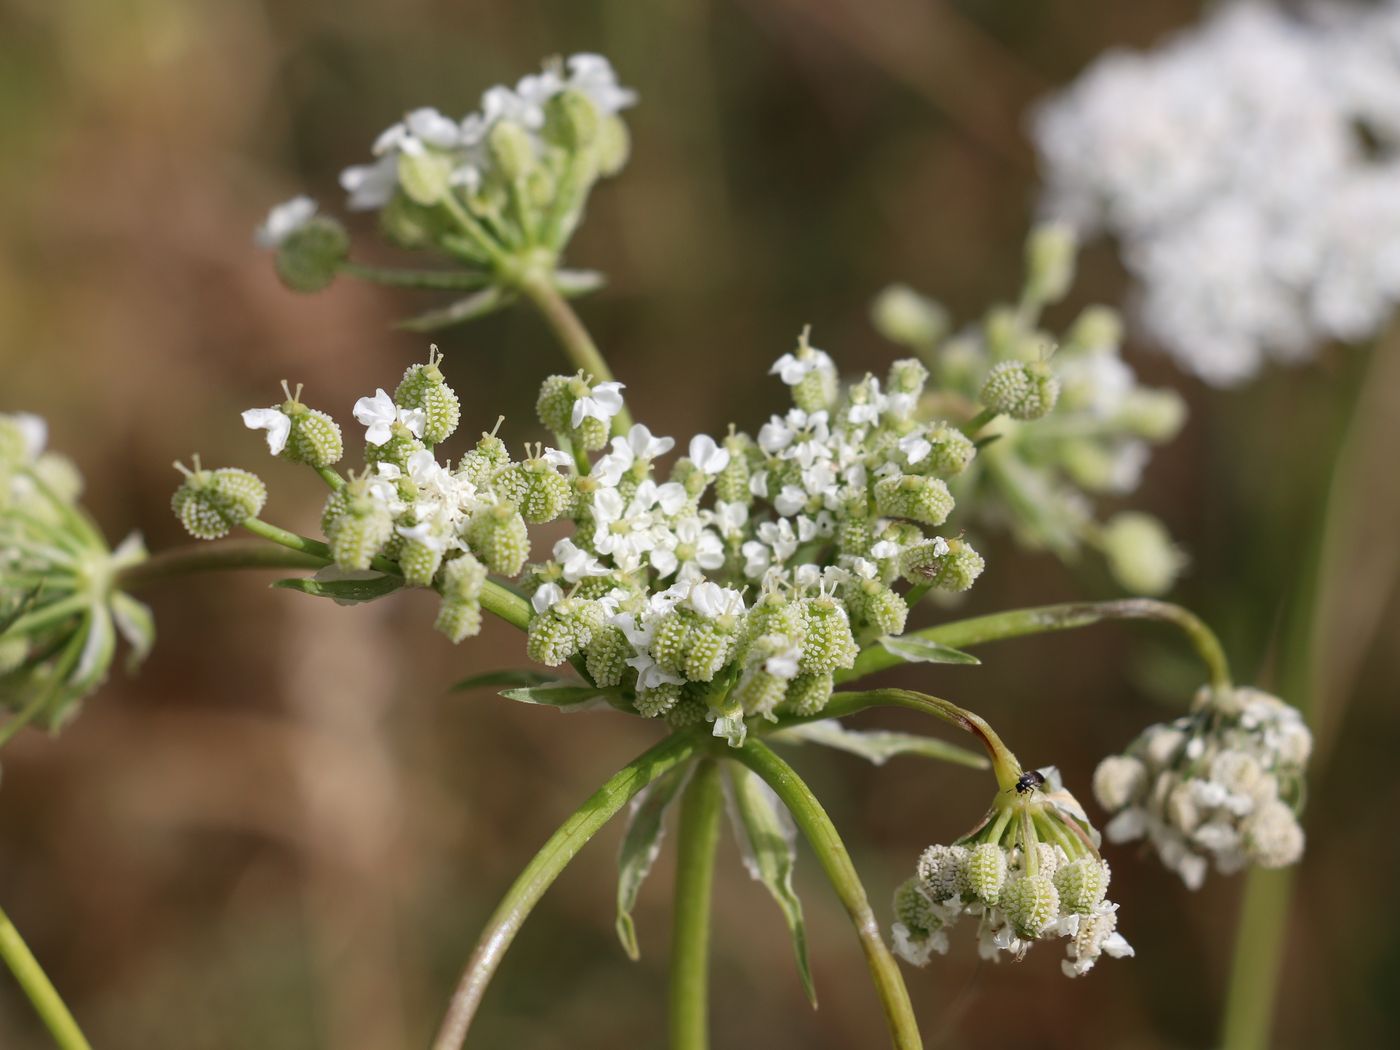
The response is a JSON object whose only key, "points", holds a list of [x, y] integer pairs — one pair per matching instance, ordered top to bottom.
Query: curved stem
{"points": [[572, 335], [213, 557], [1017, 623], [698, 839], [836, 862], [541, 872], [48, 1004]]}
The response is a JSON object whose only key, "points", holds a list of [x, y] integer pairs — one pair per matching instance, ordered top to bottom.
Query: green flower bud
{"points": [[571, 120], [613, 146], [512, 149], [425, 176], [1050, 252], [310, 256], [904, 316], [423, 387], [1021, 390], [537, 488], [915, 497], [211, 502], [357, 525], [497, 534], [1140, 553], [950, 565], [828, 643], [607, 653], [808, 694], [666, 700], [943, 871], [985, 872], [1082, 884], [1031, 903]]}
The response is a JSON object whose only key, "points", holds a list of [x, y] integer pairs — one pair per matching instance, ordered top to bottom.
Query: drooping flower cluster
{"points": [[1249, 168], [500, 191], [1099, 423], [61, 610], [1219, 786], [1031, 872]]}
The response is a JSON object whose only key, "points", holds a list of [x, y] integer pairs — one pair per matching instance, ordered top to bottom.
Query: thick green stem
{"points": [[572, 335], [213, 557], [1017, 623], [698, 839], [826, 842], [540, 874], [1260, 941], [40, 990]]}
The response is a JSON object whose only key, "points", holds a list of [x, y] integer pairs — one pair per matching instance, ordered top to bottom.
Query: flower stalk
{"points": [[690, 941], [39, 989]]}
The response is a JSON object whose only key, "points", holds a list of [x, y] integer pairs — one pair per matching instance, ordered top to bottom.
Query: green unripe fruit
{"points": [[613, 146], [425, 176], [1050, 252], [310, 256], [1097, 328], [907, 376], [423, 387], [1020, 389], [816, 391], [555, 404], [1155, 415], [591, 434], [314, 438], [402, 443], [952, 452], [480, 465], [732, 483], [538, 489], [915, 497], [211, 502], [357, 525], [498, 536], [853, 537], [1140, 553], [419, 561], [950, 566], [462, 578], [875, 607], [773, 615], [458, 620], [554, 635], [671, 641], [828, 643], [707, 649], [607, 655], [758, 692], [808, 694], [665, 700], [943, 871], [984, 872], [1082, 884], [1031, 903], [913, 908]]}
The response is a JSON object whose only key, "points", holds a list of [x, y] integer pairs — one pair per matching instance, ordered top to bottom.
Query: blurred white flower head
{"points": [[1249, 168]]}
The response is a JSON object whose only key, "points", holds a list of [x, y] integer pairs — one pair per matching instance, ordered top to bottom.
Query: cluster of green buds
{"points": [[500, 192], [1096, 426], [61, 604], [1222, 785], [1031, 871]]}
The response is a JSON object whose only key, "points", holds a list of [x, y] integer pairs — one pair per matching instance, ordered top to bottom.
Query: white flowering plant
{"points": [[734, 589]]}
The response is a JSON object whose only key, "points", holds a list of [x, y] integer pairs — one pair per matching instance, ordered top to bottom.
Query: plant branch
{"points": [[213, 557], [1017, 623], [698, 839], [836, 862], [540, 874], [48, 1004]]}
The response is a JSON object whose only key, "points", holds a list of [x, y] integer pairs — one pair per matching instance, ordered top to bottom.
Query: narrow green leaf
{"points": [[573, 283], [468, 308], [350, 589], [137, 624], [916, 650], [523, 676], [567, 697], [878, 746], [768, 843], [640, 847]]}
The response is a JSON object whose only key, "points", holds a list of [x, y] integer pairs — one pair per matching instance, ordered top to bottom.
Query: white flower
{"points": [[593, 75], [370, 186], [284, 220], [793, 368], [602, 402], [379, 414], [276, 422], [34, 432], [915, 447], [709, 457], [424, 533], [576, 562], [548, 596]]}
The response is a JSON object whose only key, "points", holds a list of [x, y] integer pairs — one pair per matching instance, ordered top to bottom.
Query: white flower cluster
{"points": [[467, 141], [1249, 168], [1075, 423], [1220, 786], [1032, 874]]}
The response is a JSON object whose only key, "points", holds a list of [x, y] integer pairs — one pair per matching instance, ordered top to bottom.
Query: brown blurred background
{"points": [[286, 832]]}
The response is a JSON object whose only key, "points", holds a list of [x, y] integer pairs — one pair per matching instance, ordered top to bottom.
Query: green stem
{"points": [[472, 228], [455, 280], [572, 335], [977, 422], [331, 477], [213, 557], [47, 615], [1018, 623], [72, 650], [698, 839], [836, 862], [541, 872], [1260, 941], [40, 990]]}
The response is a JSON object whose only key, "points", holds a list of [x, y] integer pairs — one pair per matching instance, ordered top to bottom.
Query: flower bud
{"points": [[571, 120], [613, 146], [512, 149], [425, 176], [407, 224], [1050, 252], [310, 256], [904, 316], [907, 376], [423, 387], [1021, 390], [915, 497], [211, 502], [498, 536], [1140, 553], [950, 565], [827, 640], [808, 694], [1119, 780], [1272, 836], [943, 871], [985, 872], [1082, 884], [1031, 903]]}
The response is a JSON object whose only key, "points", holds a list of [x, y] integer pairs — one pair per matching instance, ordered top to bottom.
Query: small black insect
{"points": [[1029, 781]]}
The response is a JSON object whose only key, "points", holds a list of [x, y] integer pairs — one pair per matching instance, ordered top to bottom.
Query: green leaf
{"points": [[478, 304], [349, 588], [916, 650], [523, 676], [567, 697], [878, 746], [768, 841], [640, 847]]}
